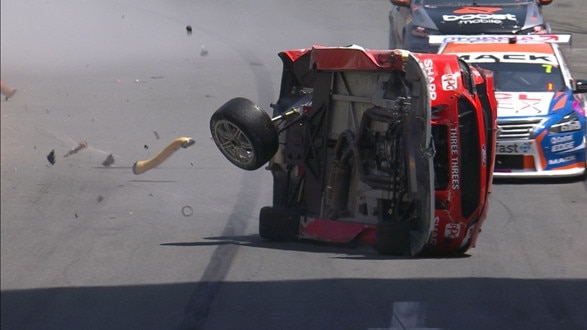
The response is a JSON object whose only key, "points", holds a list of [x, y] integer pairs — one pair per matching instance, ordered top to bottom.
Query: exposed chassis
{"points": [[352, 151]]}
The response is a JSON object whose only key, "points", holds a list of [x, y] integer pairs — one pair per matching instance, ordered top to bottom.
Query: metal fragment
{"points": [[75, 150], [51, 157], [108, 161]]}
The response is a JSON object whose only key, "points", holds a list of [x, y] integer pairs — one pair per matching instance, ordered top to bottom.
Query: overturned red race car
{"points": [[385, 147]]}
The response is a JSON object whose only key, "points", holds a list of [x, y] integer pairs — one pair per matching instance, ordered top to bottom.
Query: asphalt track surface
{"points": [[86, 246]]}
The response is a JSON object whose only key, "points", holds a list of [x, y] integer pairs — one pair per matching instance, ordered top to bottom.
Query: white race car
{"points": [[541, 111]]}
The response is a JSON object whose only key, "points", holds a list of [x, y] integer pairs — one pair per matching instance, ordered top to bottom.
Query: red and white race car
{"points": [[386, 147]]}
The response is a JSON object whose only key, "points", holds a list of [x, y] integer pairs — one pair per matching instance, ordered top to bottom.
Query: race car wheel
{"points": [[392, 41], [244, 133], [278, 224], [393, 238]]}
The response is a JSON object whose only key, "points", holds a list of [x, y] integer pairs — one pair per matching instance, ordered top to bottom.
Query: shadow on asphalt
{"points": [[352, 250], [296, 304]]}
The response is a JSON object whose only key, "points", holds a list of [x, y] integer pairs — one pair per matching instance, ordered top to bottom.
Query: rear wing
{"points": [[501, 38]]}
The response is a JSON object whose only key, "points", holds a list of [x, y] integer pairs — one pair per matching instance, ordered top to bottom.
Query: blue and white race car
{"points": [[541, 108]]}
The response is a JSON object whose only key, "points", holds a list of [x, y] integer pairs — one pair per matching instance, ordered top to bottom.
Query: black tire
{"points": [[392, 39], [244, 133], [278, 224], [393, 238]]}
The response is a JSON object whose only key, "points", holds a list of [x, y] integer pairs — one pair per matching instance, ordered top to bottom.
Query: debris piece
{"points": [[189, 30], [203, 51], [7, 91], [156, 135], [146, 147], [75, 150], [51, 157], [108, 161], [142, 166], [100, 198], [187, 211], [76, 215]]}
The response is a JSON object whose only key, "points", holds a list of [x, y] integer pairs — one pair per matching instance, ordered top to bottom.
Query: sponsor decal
{"points": [[477, 10], [480, 18], [500, 38], [509, 58], [429, 68], [449, 82], [500, 96], [528, 102], [522, 104], [574, 125], [561, 139], [561, 143], [562, 147], [512, 148], [483, 156], [454, 161], [558, 161], [452, 230], [433, 239]]}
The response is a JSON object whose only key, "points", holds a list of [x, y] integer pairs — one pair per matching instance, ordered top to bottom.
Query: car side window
{"points": [[467, 77], [470, 153]]}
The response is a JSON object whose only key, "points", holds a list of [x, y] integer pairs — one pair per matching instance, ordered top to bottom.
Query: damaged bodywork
{"points": [[387, 147]]}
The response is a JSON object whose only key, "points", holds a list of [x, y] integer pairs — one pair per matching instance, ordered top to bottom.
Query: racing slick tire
{"points": [[392, 42], [244, 133], [278, 224], [393, 238]]}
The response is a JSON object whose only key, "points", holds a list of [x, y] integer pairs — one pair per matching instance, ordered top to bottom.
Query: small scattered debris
{"points": [[189, 30], [203, 51], [7, 91], [156, 135], [146, 147], [75, 150], [51, 157], [108, 161], [100, 198], [187, 211], [76, 215]]}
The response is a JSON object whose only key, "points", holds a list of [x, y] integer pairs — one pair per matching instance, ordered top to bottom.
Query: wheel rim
{"points": [[233, 142]]}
